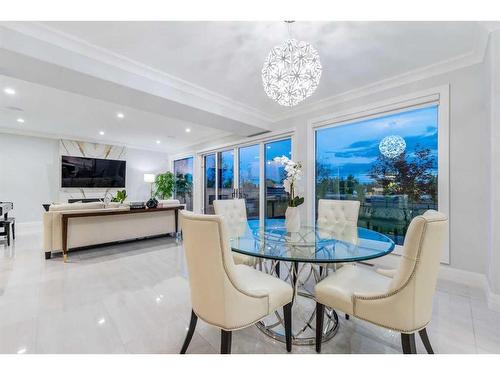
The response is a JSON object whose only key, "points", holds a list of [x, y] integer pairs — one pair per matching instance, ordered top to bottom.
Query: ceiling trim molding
{"points": [[79, 46], [442, 67], [56, 136]]}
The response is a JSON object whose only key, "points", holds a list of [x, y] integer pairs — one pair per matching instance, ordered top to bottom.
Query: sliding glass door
{"points": [[218, 169], [248, 172], [225, 174], [249, 181], [209, 183], [276, 198]]}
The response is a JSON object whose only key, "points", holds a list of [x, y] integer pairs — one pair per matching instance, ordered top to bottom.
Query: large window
{"points": [[388, 163], [249, 175], [183, 188], [276, 197]]}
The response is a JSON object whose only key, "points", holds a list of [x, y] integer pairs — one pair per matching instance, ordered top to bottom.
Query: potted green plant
{"points": [[164, 185], [120, 196]]}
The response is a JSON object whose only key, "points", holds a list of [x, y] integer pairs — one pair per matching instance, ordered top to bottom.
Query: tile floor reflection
{"points": [[134, 298]]}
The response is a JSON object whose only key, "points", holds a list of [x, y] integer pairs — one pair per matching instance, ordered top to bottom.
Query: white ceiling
{"points": [[227, 57], [72, 77], [51, 112]]}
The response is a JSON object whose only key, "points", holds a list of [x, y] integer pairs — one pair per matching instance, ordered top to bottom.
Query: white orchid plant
{"points": [[293, 175]]}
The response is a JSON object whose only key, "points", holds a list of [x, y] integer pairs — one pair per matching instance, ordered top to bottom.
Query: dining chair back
{"points": [[332, 213], [234, 214], [223, 294], [400, 300]]}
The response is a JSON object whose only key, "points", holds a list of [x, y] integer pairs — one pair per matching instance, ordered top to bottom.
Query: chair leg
{"points": [[13, 230], [7, 232], [320, 311], [287, 314], [346, 316], [189, 335], [425, 340], [225, 342], [408, 343]]}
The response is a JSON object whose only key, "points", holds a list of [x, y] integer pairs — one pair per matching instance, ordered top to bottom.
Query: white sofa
{"points": [[95, 230]]}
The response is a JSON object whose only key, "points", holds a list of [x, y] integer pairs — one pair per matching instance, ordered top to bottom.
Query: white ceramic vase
{"points": [[292, 219]]}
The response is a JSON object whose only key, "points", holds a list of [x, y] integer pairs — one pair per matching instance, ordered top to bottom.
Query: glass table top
{"points": [[336, 243]]}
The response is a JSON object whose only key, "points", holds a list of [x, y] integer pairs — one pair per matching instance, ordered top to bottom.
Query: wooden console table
{"points": [[66, 216]]}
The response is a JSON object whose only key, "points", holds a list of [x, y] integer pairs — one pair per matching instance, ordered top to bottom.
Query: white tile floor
{"points": [[134, 298]]}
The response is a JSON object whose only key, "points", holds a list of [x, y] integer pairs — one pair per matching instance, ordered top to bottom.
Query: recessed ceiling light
{"points": [[9, 91], [120, 115], [20, 120], [188, 130], [101, 132], [158, 141]]}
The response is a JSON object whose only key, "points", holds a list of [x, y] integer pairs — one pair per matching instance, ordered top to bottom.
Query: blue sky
{"points": [[353, 148], [249, 160]]}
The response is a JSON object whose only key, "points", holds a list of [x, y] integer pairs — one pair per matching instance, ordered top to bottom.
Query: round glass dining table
{"points": [[303, 258]]}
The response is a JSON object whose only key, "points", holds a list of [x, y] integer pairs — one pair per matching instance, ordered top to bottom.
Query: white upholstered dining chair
{"points": [[234, 212], [332, 213], [339, 217], [225, 295], [400, 300]]}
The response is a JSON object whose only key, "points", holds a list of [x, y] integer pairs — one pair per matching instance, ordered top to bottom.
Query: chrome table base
{"points": [[307, 275]]}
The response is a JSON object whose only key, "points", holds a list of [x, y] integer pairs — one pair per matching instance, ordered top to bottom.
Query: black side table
{"points": [[8, 224]]}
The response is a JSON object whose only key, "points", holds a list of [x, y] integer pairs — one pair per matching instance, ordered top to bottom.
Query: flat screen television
{"points": [[79, 172]]}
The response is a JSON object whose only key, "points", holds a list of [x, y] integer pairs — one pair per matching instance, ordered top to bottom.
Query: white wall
{"points": [[493, 61], [469, 156], [138, 163], [29, 173]]}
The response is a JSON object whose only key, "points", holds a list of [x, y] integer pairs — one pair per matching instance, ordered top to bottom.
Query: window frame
{"points": [[435, 96]]}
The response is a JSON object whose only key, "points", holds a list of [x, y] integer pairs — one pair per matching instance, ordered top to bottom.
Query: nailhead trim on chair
{"points": [[232, 283], [382, 296]]}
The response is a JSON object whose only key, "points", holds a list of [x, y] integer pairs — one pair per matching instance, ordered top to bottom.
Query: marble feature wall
{"points": [[89, 150]]}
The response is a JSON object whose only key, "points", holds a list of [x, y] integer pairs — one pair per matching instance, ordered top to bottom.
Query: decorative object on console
{"points": [[291, 72], [293, 175], [164, 185], [120, 196], [152, 203], [137, 205]]}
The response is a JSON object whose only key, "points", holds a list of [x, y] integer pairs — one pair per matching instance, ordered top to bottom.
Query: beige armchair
{"points": [[234, 212], [228, 296], [400, 300]]}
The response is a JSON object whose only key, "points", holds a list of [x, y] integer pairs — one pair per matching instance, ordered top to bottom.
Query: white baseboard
{"points": [[446, 272], [473, 279], [493, 299]]}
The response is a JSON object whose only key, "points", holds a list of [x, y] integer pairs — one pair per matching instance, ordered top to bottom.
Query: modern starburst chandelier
{"points": [[291, 72], [392, 146]]}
